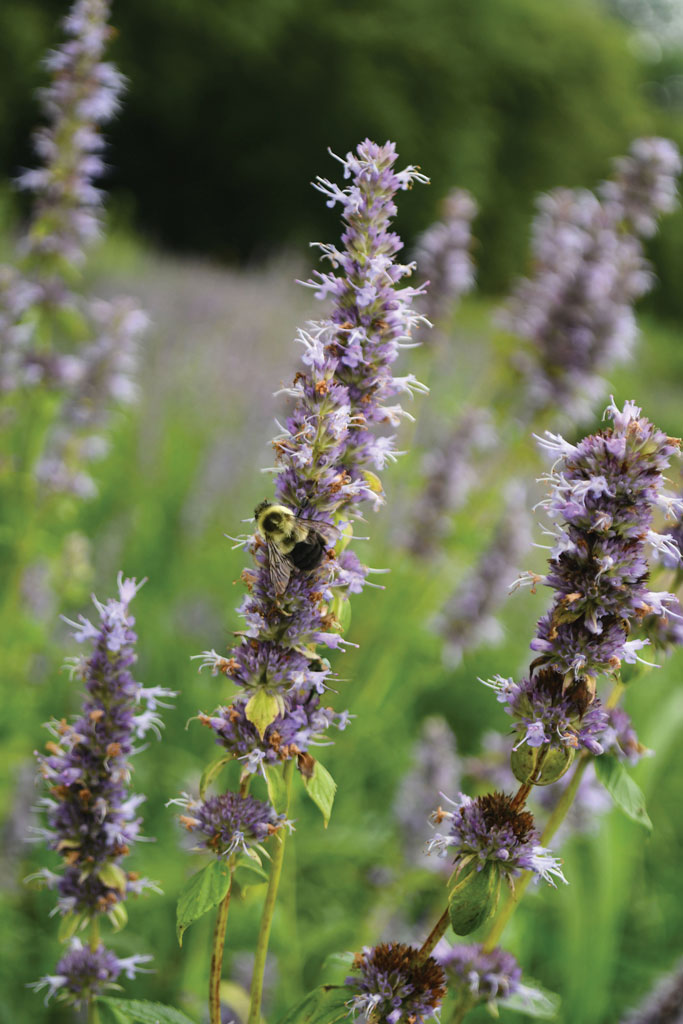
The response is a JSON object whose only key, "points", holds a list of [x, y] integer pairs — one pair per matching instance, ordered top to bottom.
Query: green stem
{"points": [[556, 818], [268, 909], [436, 933], [217, 957], [462, 1008], [93, 1009]]}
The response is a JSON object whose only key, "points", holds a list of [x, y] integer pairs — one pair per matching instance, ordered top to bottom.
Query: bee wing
{"points": [[330, 534], [279, 568]]}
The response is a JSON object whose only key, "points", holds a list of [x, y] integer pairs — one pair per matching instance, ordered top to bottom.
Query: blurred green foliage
{"points": [[230, 105]]}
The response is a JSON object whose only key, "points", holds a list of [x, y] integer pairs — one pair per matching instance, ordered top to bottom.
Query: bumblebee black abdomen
{"points": [[308, 554]]}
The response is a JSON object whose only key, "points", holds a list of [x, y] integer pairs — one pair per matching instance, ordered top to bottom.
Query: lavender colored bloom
{"points": [[83, 95], [644, 183], [443, 255], [576, 310], [326, 454], [451, 470], [603, 495], [468, 618], [665, 631], [548, 712], [621, 738], [436, 769], [92, 817], [230, 822], [489, 829], [83, 973], [488, 975], [392, 985]]}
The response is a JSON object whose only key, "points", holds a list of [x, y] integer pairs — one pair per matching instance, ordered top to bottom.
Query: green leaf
{"points": [[373, 481], [341, 609], [262, 709], [210, 773], [321, 788], [277, 790], [626, 793], [253, 871], [114, 877], [203, 892], [472, 896], [118, 915], [68, 926], [337, 966], [533, 1000], [324, 1005], [141, 1011]]}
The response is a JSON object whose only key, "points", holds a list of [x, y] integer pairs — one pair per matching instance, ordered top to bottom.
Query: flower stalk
{"points": [[261, 954]]}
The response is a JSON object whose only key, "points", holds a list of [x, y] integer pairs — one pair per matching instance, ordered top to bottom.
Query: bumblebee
{"points": [[293, 543]]}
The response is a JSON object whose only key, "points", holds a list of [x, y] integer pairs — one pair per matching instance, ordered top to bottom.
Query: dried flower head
{"points": [[393, 985]]}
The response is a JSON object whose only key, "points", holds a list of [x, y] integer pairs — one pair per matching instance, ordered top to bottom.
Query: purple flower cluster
{"points": [[82, 96], [644, 184], [443, 255], [576, 310], [84, 352], [332, 442], [451, 470], [604, 492], [603, 495], [468, 618], [548, 712], [92, 817], [231, 822], [490, 829], [83, 973], [488, 976], [393, 986]]}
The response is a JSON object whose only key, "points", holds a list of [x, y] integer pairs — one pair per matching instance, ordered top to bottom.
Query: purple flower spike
{"points": [[83, 96], [644, 184], [443, 255], [576, 308], [328, 452], [604, 492], [92, 817], [231, 822], [489, 829], [83, 973], [488, 975], [392, 986]]}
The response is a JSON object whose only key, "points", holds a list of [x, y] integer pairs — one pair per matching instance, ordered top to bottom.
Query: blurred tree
{"points": [[231, 105]]}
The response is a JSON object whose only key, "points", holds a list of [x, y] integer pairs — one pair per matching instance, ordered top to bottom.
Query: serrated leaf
{"points": [[262, 709], [210, 773], [321, 788], [277, 790], [626, 794], [114, 877], [203, 892], [473, 896], [533, 1000], [324, 1005], [142, 1011]]}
